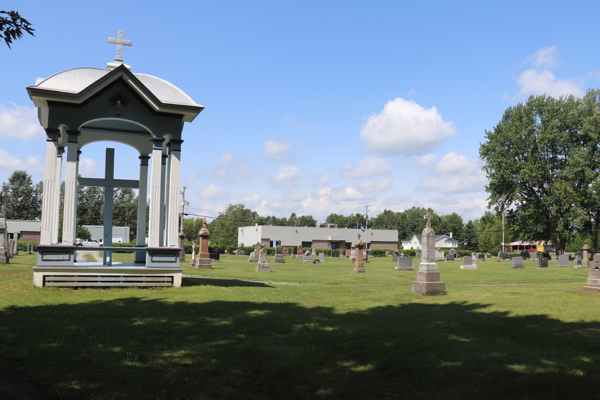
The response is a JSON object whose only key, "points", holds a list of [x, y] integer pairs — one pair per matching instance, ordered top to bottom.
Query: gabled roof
{"points": [[78, 84], [419, 238]]}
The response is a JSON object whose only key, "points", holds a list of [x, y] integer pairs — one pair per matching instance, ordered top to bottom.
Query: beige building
{"points": [[327, 237]]}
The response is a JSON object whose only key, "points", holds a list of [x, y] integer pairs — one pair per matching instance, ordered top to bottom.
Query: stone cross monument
{"points": [[428, 277]]}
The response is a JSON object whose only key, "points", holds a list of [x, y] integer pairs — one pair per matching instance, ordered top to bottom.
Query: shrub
{"points": [[22, 245]]}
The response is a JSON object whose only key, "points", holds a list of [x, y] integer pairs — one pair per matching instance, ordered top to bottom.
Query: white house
{"points": [[414, 242]]}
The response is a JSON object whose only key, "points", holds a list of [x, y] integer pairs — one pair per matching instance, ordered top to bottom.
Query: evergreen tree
{"points": [[22, 199]]}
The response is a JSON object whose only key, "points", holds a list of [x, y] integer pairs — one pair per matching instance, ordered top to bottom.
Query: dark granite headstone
{"points": [[525, 255], [542, 262]]}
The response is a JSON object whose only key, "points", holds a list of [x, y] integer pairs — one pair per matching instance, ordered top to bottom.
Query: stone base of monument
{"points": [[3, 256], [279, 258], [205, 263], [55, 266], [468, 266], [263, 267], [359, 269], [428, 282], [593, 282]]}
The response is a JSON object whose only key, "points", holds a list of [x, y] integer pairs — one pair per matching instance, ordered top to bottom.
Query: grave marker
{"points": [[563, 261], [263, 262], [468, 263], [517, 263], [542, 263], [404, 264], [428, 277]]}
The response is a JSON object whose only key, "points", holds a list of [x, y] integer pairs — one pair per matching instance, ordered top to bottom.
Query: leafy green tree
{"points": [[12, 27], [527, 160], [23, 199], [125, 205], [306, 220], [453, 223], [191, 228], [224, 229], [83, 233], [470, 236]]}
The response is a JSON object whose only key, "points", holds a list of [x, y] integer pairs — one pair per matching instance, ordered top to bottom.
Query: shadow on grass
{"points": [[221, 282], [148, 349]]}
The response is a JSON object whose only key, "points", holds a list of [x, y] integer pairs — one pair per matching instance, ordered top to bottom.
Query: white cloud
{"points": [[543, 58], [539, 79], [538, 82], [411, 92], [19, 122], [405, 127], [276, 149], [225, 159], [425, 160], [8, 162], [87, 167], [368, 167], [232, 169], [455, 173], [287, 175], [323, 179], [371, 186], [211, 192], [347, 194]]}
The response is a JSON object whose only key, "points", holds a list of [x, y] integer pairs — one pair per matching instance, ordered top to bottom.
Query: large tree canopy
{"points": [[541, 159], [23, 199]]}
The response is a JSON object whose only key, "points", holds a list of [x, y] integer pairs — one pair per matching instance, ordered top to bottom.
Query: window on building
{"points": [[306, 244]]}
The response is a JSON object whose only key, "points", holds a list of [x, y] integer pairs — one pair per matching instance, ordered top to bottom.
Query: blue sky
{"points": [[314, 107]]}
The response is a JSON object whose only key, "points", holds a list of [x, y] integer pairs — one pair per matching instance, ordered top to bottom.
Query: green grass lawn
{"points": [[304, 331]]}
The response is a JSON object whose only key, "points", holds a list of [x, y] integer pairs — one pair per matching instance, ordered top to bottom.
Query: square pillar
{"points": [[49, 183], [157, 183], [163, 189], [167, 193], [56, 195], [173, 202], [69, 233], [140, 256]]}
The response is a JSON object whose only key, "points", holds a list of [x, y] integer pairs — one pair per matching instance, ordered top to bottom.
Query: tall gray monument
{"points": [[3, 234], [428, 277]]}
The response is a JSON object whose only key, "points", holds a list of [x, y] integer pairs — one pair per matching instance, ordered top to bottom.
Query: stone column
{"points": [[49, 183], [157, 183], [167, 193], [56, 195], [173, 196], [70, 200], [163, 216], [140, 256], [586, 256], [202, 259], [359, 266], [428, 277]]}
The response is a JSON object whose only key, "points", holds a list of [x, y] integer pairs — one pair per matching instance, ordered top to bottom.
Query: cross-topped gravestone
{"points": [[120, 41], [109, 183], [428, 217]]}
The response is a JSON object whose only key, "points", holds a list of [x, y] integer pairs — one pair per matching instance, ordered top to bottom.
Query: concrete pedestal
{"points": [[279, 258], [205, 263], [473, 266], [263, 267], [359, 268], [428, 282], [593, 282]]}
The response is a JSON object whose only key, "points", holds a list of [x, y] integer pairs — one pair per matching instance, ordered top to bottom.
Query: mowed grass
{"points": [[305, 331]]}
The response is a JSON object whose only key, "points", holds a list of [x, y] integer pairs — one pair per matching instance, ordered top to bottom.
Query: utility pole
{"points": [[367, 223]]}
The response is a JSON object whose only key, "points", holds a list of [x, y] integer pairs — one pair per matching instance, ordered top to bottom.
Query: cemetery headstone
{"points": [[3, 241], [193, 251], [299, 251], [240, 252], [286, 252], [314, 253], [279, 254], [335, 254], [401, 254], [215, 255], [255, 255], [353, 255], [395, 255], [439, 255], [525, 255], [585, 255], [481, 256], [488, 256], [503, 256], [534, 256], [307, 257], [322, 257], [450, 257], [554, 257], [203, 258], [563, 261], [263, 262], [468, 263], [517, 263], [542, 263], [578, 263], [404, 264], [359, 266], [428, 277], [593, 281]]}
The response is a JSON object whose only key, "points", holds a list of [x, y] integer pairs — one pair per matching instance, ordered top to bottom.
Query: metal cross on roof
{"points": [[120, 42]]}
